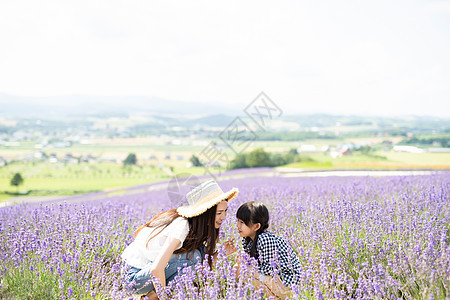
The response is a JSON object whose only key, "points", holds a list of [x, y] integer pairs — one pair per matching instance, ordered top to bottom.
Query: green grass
{"points": [[356, 157], [427, 158], [377, 160], [44, 179], [80, 184], [4, 196], [24, 285]]}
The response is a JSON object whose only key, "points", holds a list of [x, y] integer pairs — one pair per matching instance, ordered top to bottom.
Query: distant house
{"points": [[85, 142], [349, 146], [325, 148], [307, 149], [312, 149], [409, 149], [342, 150], [439, 150], [346, 152], [334, 154], [39, 155], [167, 155], [180, 157], [52, 158], [69, 158], [88, 158], [109, 159], [2, 162]]}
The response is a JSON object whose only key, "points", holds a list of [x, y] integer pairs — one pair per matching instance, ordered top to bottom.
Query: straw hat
{"points": [[203, 197]]}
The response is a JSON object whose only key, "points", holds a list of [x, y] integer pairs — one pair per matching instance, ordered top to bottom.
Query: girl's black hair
{"points": [[251, 213]]}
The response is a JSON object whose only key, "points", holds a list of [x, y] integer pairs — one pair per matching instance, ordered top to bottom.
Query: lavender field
{"points": [[356, 237]]}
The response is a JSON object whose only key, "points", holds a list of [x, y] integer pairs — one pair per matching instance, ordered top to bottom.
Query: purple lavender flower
{"points": [[357, 238]]}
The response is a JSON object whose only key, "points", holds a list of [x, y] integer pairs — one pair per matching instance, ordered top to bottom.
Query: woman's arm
{"points": [[170, 245]]}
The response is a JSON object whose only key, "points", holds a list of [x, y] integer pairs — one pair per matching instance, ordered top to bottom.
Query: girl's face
{"points": [[221, 213], [247, 231]]}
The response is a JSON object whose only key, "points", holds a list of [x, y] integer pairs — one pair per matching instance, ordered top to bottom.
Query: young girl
{"points": [[176, 239], [271, 251]]}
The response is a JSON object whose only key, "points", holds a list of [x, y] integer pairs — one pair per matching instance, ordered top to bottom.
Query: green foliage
{"points": [[442, 141], [365, 149], [369, 152], [291, 156], [259, 158], [278, 159], [130, 160], [195, 161], [238, 162], [47, 179], [17, 180], [21, 282]]}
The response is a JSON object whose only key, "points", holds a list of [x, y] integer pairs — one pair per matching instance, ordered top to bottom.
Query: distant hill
{"points": [[77, 105], [158, 115], [219, 120]]}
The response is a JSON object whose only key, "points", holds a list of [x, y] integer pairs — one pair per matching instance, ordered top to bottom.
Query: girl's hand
{"points": [[230, 247]]}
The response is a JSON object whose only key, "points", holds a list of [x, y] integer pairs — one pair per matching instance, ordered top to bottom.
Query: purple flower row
{"points": [[356, 237]]}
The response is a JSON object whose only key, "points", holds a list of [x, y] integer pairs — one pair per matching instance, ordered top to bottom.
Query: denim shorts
{"points": [[138, 281]]}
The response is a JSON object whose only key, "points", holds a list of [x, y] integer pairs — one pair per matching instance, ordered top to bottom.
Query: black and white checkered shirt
{"points": [[274, 254]]}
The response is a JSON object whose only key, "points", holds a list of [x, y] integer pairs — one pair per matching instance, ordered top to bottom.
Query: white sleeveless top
{"points": [[138, 255]]}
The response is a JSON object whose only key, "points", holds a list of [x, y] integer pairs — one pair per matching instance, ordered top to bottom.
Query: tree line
{"points": [[259, 158]]}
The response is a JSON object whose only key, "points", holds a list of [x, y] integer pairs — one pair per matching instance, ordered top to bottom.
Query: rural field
{"points": [[160, 158], [356, 237]]}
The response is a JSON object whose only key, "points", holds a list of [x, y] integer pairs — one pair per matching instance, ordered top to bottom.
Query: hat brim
{"points": [[196, 210]]}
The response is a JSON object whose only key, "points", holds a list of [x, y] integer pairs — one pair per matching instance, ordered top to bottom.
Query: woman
{"points": [[176, 238]]}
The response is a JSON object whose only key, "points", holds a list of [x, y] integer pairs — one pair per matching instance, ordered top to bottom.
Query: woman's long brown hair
{"points": [[202, 230]]}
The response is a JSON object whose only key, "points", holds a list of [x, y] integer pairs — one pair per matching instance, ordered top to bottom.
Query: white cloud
{"points": [[349, 56]]}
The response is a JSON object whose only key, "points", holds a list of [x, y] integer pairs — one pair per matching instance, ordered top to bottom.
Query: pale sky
{"points": [[351, 57]]}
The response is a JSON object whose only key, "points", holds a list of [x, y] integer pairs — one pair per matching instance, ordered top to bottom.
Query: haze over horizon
{"points": [[378, 58], [143, 105]]}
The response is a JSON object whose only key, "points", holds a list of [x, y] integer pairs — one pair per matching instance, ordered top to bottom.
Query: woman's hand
{"points": [[230, 247]]}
